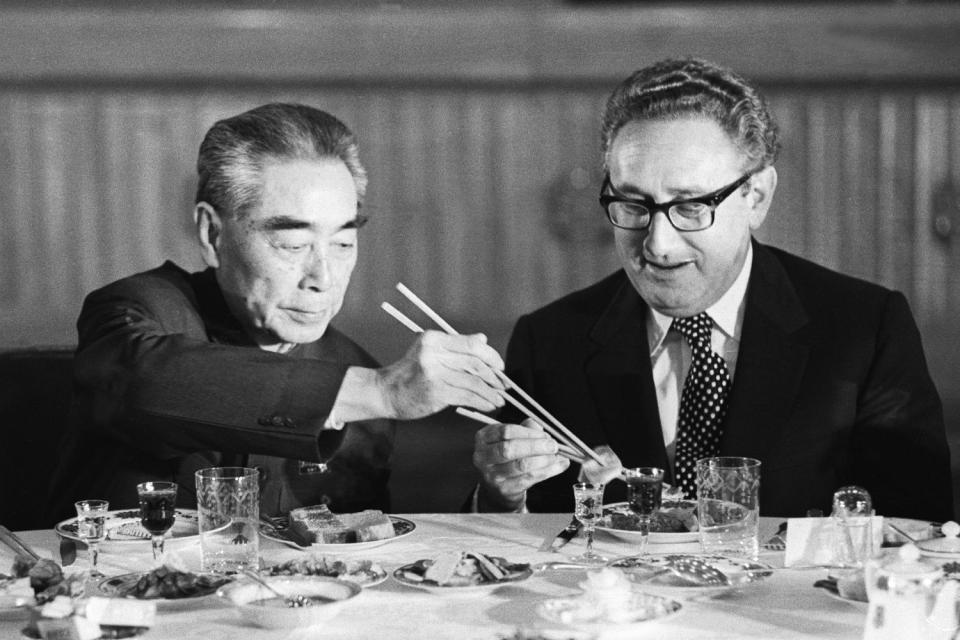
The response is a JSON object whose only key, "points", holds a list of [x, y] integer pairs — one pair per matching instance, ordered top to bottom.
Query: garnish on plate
{"points": [[463, 568], [361, 572]]}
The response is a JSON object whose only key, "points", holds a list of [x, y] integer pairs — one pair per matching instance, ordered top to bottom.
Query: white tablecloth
{"points": [[785, 605]]}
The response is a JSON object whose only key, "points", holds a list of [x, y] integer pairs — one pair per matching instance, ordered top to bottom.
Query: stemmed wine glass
{"points": [[644, 491], [158, 501], [588, 509], [91, 519]]}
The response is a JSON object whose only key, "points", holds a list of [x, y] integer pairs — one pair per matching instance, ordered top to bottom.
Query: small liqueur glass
{"points": [[644, 493], [158, 502], [588, 509], [853, 511], [91, 519]]}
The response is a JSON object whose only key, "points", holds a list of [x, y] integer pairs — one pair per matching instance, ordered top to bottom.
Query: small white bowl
{"points": [[248, 597]]}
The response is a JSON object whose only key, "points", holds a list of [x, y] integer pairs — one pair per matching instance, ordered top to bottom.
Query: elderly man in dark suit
{"points": [[709, 343], [237, 365]]}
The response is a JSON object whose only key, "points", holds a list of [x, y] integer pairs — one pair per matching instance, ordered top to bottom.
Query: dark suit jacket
{"points": [[166, 382], [831, 388]]}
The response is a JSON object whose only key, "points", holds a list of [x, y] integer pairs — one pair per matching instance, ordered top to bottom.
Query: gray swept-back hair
{"points": [[685, 87], [234, 151]]}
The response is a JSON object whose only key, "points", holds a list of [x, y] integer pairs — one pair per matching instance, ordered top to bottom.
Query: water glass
{"points": [[644, 493], [158, 502], [228, 503], [728, 506], [588, 509], [853, 511], [91, 519]]}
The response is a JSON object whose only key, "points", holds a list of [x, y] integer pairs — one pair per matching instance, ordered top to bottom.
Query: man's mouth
{"points": [[660, 266]]}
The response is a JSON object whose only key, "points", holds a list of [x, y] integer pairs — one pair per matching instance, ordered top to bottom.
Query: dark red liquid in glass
{"points": [[643, 494], [157, 511]]}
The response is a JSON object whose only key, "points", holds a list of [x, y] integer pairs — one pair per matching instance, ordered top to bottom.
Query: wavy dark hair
{"points": [[684, 87]]}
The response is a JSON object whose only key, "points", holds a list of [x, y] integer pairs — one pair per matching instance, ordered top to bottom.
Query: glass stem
{"points": [[644, 534], [157, 547], [589, 552], [94, 553]]}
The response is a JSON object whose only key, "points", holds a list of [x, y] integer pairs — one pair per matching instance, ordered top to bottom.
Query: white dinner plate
{"points": [[124, 526], [401, 527], [655, 537], [741, 573], [408, 575], [118, 586], [583, 611]]}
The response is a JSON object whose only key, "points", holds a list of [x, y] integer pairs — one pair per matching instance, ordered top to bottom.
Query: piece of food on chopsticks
{"points": [[319, 524], [463, 568], [361, 572], [166, 583]]}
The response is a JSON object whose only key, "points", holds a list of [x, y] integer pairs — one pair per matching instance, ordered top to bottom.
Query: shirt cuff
{"points": [[332, 423]]}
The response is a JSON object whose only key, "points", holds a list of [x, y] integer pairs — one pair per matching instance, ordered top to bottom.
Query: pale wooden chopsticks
{"points": [[559, 432], [567, 452]]}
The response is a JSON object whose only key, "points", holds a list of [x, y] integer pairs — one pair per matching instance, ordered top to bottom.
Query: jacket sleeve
{"points": [[146, 373], [899, 448]]}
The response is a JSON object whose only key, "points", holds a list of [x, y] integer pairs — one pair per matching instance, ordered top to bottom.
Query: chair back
{"points": [[35, 395]]}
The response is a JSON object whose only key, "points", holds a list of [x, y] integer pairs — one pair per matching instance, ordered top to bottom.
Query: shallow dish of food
{"points": [[675, 522], [124, 527], [329, 532], [461, 571], [364, 573], [721, 574], [35, 582], [169, 588], [306, 601], [584, 610]]}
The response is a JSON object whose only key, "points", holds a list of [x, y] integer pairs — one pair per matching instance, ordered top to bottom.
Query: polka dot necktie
{"points": [[703, 402]]}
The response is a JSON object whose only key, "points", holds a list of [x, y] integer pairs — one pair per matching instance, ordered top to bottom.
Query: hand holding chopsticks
{"points": [[554, 427]]}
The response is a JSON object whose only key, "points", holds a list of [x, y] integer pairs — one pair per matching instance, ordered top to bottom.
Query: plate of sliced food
{"points": [[675, 522], [124, 526], [326, 531], [462, 571], [364, 573], [688, 576], [168, 587]]}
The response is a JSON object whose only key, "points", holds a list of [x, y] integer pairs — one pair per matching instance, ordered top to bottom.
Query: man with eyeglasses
{"points": [[710, 343]]}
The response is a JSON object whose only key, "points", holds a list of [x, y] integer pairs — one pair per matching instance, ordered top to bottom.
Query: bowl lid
{"points": [[949, 543]]}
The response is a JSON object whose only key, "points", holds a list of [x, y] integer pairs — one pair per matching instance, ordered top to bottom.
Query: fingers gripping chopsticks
{"points": [[569, 444]]}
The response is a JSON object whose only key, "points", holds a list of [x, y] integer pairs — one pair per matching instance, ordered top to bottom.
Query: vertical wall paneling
{"points": [[932, 271]]}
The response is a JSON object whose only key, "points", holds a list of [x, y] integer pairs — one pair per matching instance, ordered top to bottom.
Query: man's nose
{"points": [[662, 238], [316, 273]]}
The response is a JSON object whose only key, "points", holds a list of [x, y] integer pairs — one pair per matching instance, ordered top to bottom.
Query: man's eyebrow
{"points": [[284, 223]]}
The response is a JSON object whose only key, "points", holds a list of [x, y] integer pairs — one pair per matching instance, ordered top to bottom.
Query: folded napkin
{"points": [[818, 542]]}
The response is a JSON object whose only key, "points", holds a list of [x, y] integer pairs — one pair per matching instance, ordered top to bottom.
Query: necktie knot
{"points": [[696, 329]]}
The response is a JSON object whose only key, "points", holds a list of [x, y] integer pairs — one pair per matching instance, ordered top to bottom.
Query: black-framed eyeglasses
{"points": [[695, 214]]}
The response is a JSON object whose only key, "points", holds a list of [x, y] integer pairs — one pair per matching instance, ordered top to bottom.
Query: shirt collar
{"points": [[726, 313]]}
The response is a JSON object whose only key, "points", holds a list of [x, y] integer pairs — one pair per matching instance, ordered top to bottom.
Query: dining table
{"points": [[784, 604]]}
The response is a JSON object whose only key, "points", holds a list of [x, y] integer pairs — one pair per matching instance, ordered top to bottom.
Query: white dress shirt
{"points": [[670, 354]]}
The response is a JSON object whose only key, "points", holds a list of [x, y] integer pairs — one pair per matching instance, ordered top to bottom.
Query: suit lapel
{"points": [[771, 361], [618, 373]]}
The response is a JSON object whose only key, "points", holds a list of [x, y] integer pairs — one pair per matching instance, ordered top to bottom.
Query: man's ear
{"points": [[762, 186], [209, 230]]}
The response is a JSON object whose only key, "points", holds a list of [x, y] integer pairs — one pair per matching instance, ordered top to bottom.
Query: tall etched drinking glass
{"points": [[644, 492], [158, 502], [228, 502], [728, 506], [588, 509], [91, 519]]}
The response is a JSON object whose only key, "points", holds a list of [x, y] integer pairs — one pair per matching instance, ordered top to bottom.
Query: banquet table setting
{"points": [[778, 603]]}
